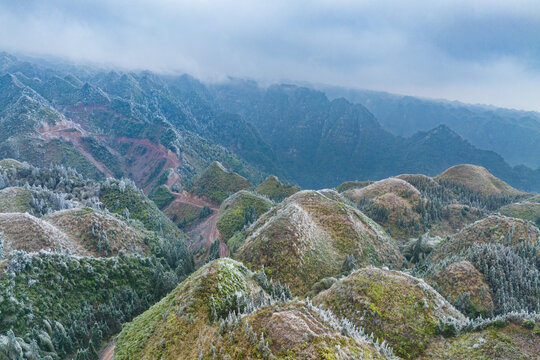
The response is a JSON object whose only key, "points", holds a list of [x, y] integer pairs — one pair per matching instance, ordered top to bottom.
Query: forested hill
{"points": [[143, 126], [514, 134], [321, 141]]}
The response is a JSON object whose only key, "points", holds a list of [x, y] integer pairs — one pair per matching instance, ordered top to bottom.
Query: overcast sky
{"points": [[474, 51]]}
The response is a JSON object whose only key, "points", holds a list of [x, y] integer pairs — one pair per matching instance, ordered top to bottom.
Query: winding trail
{"points": [[70, 131], [207, 227], [108, 353]]}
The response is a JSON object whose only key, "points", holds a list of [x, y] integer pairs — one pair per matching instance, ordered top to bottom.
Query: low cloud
{"points": [[486, 52]]}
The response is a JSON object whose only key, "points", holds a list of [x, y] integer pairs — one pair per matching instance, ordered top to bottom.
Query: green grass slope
{"points": [[216, 183], [275, 189], [119, 195], [15, 199], [239, 210], [525, 210], [307, 238], [65, 303], [393, 305], [198, 321]]}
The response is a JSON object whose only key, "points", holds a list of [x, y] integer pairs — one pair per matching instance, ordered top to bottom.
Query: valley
{"points": [[149, 216]]}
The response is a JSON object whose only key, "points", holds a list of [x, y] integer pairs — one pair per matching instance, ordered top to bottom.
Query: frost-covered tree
{"points": [[1, 247], [10, 347]]}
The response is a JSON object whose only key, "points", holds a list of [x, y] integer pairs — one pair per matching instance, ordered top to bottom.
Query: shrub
{"points": [[161, 196], [205, 211], [528, 324], [447, 329]]}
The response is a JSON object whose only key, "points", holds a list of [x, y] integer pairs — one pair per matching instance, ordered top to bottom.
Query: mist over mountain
{"points": [[291, 131], [514, 134], [322, 141], [270, 180], [157, 216]]}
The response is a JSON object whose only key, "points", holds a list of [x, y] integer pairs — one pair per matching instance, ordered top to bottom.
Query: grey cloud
{"points": [[484, 52]]}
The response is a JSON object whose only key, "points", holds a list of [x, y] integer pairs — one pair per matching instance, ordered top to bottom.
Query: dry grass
{"points": [[478, 179], [84, 225], [492, 229], [28, 233], [308, 236], [462, 277]]}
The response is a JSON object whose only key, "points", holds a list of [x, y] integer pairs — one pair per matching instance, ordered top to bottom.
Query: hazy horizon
{"points": [[482, 53]]}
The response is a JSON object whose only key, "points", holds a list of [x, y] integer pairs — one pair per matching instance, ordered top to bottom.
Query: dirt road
{"points": [[206, 228], [108, 354]]}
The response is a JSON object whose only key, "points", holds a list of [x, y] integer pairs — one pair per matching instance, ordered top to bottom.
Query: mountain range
{"points": [[138, 124], [514, 134], [152, 216]]}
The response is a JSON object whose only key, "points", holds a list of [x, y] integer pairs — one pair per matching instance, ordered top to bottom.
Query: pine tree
{"points": [[1, 247], [348, 265], [12, 349], [92, 353], [82, 354]]}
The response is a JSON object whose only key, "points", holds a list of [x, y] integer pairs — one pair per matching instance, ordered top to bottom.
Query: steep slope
{"points": [[141, 124], [119, 125], [512, 133], [312, 137], [322, 142], [124, 198], [393, 203], [238, 211], [405, 212], [492, 229], [102, 234], [309, 235], [504, 251], [68, 275], [464, 287], [58, 305], [393, 305], [199, 319]]}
